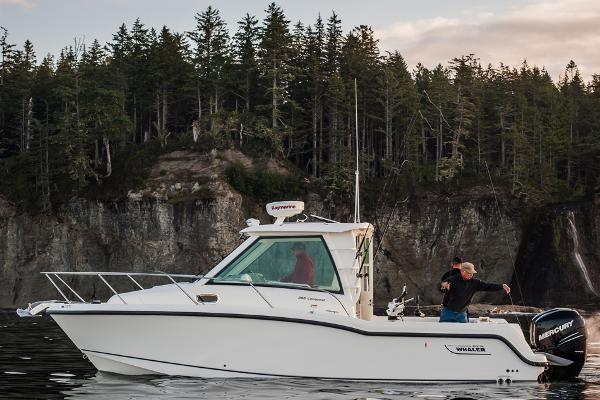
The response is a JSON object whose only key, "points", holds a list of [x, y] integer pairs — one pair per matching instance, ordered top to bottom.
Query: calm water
{"points": [[37, 361]]}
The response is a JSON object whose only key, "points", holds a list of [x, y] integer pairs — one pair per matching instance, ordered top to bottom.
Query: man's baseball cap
{"points": [[457, 260], [468, 267]]}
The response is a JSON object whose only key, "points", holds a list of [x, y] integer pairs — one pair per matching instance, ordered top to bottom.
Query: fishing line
{"points": [[504, 234], [513, 304]]}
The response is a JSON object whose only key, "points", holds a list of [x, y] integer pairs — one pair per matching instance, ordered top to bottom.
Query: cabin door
{"points": [[365, 275]]}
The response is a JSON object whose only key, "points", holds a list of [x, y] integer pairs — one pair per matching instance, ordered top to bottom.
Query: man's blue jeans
{"points": [[452, 316]]}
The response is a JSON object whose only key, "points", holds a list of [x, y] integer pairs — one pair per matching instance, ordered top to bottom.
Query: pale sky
{"points": [[547, 33]]}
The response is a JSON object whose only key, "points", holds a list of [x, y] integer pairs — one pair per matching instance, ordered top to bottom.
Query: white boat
{"points": [[258, 313]]}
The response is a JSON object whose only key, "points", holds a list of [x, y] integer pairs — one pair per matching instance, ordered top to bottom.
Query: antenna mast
{"points": [[356, 174]]}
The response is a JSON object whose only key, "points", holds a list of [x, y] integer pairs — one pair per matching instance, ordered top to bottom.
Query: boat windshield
{"points": [[289, 262]]}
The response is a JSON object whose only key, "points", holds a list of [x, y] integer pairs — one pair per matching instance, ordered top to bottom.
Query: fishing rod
{"points": [[385, 229], [513, 261]]}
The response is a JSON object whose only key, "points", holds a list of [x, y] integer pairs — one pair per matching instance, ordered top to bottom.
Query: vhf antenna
{"points": [[356, 174]]}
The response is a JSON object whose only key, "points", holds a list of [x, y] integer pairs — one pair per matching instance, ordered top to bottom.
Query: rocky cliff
{"points": [[187, 218], [183, 221], [430, 230], [559, 257]]}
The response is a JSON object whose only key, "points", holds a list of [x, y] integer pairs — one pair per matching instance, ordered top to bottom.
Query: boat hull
{"points": [[227, 345]]}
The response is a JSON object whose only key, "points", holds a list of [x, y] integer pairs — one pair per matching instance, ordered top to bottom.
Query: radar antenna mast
{"points": [[356, 173]]}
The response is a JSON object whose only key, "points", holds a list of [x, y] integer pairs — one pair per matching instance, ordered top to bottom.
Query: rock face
{"points": [[187, 218], [185, 227], [429, 231], [145, 235], [559, 258]]}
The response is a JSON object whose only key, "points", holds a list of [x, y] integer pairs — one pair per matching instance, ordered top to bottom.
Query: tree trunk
{"points": [[247, 92], [216, 100], [199, 104], [164, 109], [134, 118], [28, 123], [158, 123], [274, 123], [388, 125], [195, 131], [350, 131], [333, 136], [456, 136], [314, 138], [22, 142], [502, 143], [363, 144], [424, 146], [478, 146], [439, 147], [96, 154], [541, 156], [569, 156], [108, 158], [320, 171], [515, 177], [46, 205]]}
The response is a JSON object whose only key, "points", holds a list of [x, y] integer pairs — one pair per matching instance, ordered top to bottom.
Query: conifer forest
{"points": [[97, 115]]}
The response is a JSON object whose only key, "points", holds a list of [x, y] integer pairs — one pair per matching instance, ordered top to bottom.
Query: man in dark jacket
{"points": [[455, 270], [460, 290]]}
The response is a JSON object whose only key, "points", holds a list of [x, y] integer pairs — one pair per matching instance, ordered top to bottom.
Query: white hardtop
{"points": [[308, 228]]}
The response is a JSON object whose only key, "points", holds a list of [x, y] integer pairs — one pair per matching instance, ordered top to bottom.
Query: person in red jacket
{"points": [[304, 269]]}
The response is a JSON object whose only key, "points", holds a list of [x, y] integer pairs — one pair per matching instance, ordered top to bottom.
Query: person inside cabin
{"points": [[304, 269], [460, 289]]}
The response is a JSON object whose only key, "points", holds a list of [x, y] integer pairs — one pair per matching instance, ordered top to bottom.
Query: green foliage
{"points": [[93, 119], [131, 168], [17, 184], [263, 185]]}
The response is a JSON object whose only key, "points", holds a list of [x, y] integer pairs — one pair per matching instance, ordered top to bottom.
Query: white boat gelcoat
{"points": [[258, 330], [217, 341]]}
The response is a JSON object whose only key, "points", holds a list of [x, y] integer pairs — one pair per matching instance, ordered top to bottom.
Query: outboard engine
{"points": [[560, 333]]}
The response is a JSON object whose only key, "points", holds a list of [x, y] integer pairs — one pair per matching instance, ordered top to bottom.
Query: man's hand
{"points": [[445, 286], [506, 288]]}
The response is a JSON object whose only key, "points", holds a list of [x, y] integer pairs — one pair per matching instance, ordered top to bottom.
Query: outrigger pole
{"points": [[356, 174]]}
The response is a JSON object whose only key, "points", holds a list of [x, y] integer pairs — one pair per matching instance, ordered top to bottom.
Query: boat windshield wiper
{"points": [[242, 281], [314, 288]]}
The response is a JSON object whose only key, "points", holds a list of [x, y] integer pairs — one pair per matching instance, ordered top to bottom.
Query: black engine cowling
{"points": [[561, 334]]}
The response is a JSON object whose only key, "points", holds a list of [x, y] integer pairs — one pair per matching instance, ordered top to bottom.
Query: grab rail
{"points": [[101, 275]]}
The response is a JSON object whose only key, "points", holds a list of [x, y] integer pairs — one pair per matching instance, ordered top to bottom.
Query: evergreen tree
{"points": [[245, 50], [274, 54], [211, 57], [360, 60], [137, 76], [290, 90], [398, 100], [102, 107]]}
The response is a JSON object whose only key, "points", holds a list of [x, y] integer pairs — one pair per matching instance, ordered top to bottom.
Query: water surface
{"points": [[37, 361]]}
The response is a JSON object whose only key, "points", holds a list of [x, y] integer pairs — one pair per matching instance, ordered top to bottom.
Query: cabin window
{"points": [[284, 261]]}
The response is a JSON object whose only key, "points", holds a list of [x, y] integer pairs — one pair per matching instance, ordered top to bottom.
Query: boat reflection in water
{"points": [[295, 300]]}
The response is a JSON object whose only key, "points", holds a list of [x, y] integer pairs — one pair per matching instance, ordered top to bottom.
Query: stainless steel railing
{"points": [[102, 275]]}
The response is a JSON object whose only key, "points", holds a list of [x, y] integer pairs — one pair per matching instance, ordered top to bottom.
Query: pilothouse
{"points": [[295, 299]]}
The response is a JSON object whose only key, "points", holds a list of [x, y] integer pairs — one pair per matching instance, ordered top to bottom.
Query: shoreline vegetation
{"points": [[95, 118]]}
